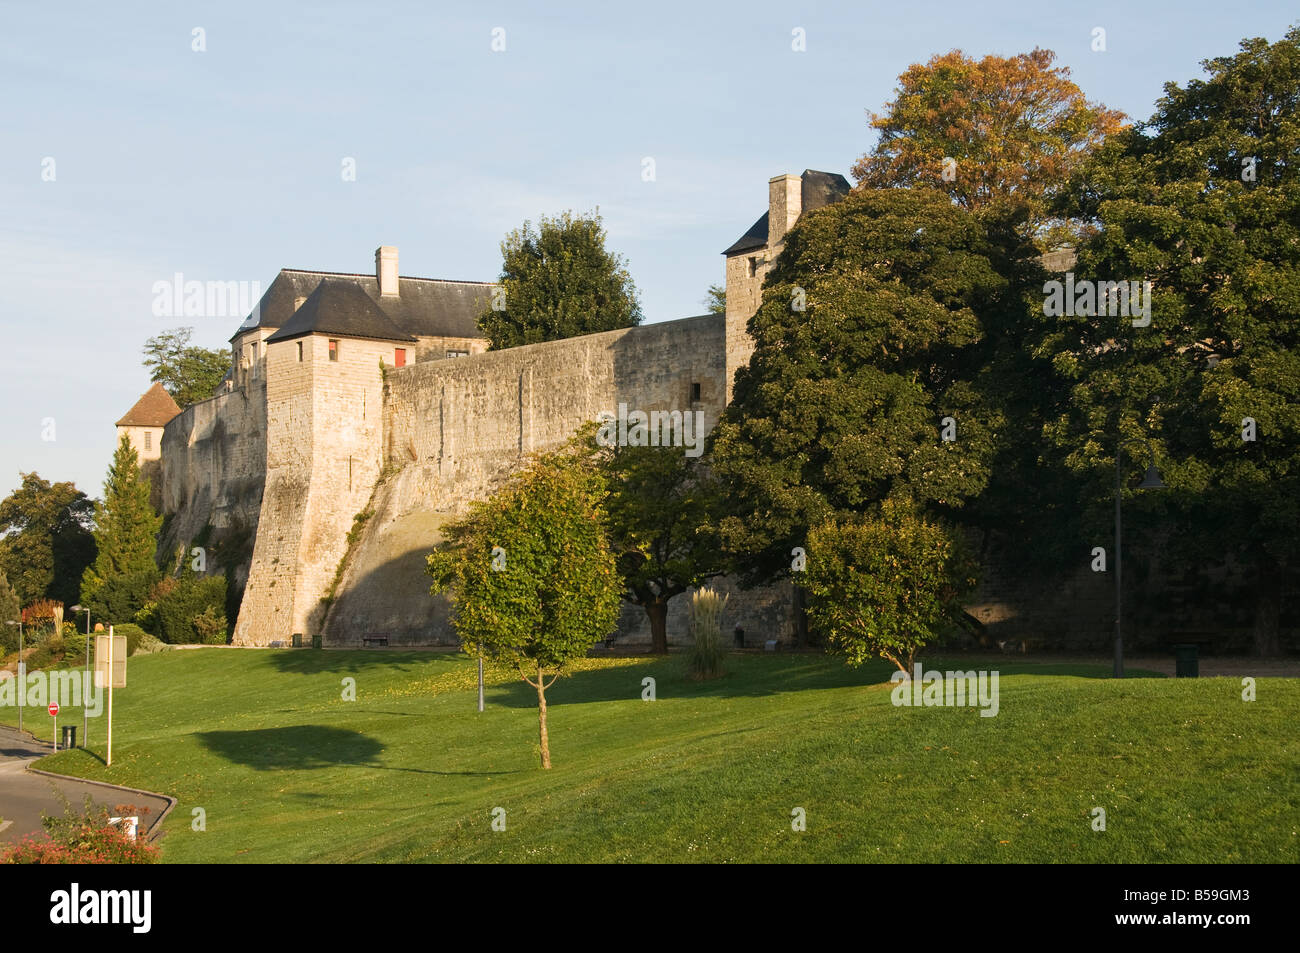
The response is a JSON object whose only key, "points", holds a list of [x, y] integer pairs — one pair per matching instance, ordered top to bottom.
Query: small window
{"points": [[753, 267], [334, 350], [299, 352], [458, 353], [399, 357], [695, 391], [148, 439]]}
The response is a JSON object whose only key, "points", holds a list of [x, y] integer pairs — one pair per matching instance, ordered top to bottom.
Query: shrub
{"points": [[887, 585], [119, 598], [187, 602], [210, 625], [136, 637], [48, 653], [705, 656], [85, 838]]}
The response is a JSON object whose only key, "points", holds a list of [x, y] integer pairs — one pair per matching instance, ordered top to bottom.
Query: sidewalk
{"points": [[25, 796]]}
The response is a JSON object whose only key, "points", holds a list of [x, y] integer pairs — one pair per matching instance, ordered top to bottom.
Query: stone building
{"points": [[363, 411], [143, 425]]}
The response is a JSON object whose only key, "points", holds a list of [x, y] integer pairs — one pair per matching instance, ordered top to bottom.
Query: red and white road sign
{"points": [[54, 709]]}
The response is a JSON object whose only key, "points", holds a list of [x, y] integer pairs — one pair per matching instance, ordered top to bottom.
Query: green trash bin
{"points": [[297, 640], [317, 641], [1186, 664]]}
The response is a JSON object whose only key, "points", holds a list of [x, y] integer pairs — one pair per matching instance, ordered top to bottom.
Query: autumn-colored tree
{"points": [[989, 131]]}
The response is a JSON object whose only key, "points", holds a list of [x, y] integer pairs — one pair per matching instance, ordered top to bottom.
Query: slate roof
{"points": [[816, 190], [756, 237], [340, 307], [423, 307], [154, 409]]}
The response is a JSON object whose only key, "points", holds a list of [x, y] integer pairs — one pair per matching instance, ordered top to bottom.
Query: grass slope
{"points": [[287, 771]]}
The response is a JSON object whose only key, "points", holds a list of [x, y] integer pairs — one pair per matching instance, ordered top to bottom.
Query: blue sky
{"points": [[225, 165]]}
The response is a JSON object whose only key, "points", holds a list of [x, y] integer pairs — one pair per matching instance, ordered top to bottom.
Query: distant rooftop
{"points": [[423, 307], [154, 409]]}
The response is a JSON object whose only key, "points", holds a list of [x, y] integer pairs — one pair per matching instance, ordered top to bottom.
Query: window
{"points": [[753, 267], [334, 350], [299, 352], [458, 353], [399, 357], [695, 391], [148, 439]]}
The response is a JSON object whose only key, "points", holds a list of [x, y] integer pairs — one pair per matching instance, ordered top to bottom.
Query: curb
{"points": [[155, 829]]}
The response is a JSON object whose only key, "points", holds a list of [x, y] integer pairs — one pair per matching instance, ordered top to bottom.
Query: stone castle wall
{"points": [[455, 429], [212, 474]]}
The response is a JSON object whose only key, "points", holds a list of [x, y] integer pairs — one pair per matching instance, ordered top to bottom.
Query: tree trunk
{"points": [[800, 606], [1268, 609], [658, 613], [541, 719]]}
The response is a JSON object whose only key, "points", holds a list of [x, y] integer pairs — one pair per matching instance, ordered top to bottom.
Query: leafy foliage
{"points": [[1016, 127], [1203, 200], [559, 282], [715, 299], [188, 372], [841, 406], [656, 506], [47, 543], [531, 577], [116, 585], [886, 585], [10, 607], [189, 609]]}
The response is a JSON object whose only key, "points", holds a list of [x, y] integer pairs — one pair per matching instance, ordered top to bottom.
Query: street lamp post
{"points": [[1152, 481]]}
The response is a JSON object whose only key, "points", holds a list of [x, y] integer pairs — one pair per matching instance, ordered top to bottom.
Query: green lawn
{"points": [[287, 771]]}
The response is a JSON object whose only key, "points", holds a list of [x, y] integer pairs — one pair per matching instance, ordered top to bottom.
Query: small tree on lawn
{"points": [[532, 581], [887, 585]]}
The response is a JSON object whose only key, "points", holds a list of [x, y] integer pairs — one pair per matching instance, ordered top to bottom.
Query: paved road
{"points": [[24, 796]]}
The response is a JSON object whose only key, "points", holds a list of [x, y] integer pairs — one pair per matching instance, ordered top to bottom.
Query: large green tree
{"points": [[991, 131], [1204, 202], [559, 281], [872, 347], [188, 372], [657, 505], [47, 543], [532, 580], [116, 585], [10, 611]]}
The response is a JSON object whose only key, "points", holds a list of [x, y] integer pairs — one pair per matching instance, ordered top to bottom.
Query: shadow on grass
{"points": [[348, 661], [746, 676], [752, 676], [295, 748], [306, 748]]}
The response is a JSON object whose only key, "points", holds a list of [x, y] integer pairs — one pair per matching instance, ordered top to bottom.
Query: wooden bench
{"points": [[369, 640]]}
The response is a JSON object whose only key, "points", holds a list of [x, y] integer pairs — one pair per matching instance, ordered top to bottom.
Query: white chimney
{"points": [[386, 269]]}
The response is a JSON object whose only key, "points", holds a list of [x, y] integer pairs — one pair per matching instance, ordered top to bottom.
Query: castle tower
{"points": [[750, 257], [143, 425], [324, 443]]}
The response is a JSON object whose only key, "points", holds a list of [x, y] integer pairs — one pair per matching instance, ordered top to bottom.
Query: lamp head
{"points": [[1152, 480]]}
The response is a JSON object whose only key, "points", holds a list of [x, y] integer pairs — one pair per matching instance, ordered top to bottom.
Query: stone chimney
{"points": [[784, 203], [386, 270]]}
